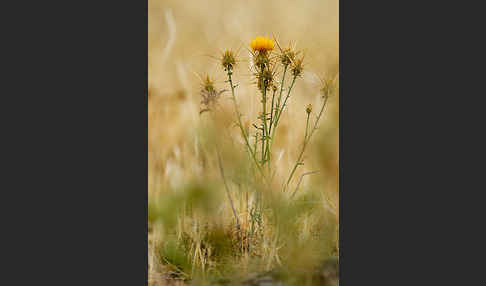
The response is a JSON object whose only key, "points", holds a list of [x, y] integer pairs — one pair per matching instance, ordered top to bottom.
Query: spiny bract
{"points": [[228, 60]]}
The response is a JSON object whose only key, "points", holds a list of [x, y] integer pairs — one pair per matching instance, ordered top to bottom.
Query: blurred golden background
{"points": [[185, 40]]}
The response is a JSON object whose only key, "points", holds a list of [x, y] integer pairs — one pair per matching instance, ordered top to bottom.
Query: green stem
{"points": [[281, 89], [285, 101], [271, 114], [238, 116], [264, 117], [277, 117], [318, 117], [273, 123], [306, 126], [270, 130], [256, 140], [306, 141], [263, 144], [302, 152]]}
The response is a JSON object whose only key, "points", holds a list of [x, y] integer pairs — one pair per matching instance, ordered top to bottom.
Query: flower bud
{"points": [[308, 109]]}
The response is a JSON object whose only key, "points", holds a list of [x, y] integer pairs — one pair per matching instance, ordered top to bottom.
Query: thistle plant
{"points": [[268, 62], [267, 65], [230, 199], [270, 228]]}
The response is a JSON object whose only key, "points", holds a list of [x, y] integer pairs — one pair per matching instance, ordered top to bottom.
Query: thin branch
{"points": [[279, 111], [306, 141], [300, 181]]}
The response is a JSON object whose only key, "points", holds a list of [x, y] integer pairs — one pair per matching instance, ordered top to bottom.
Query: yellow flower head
{"points": [[262, 44]]}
